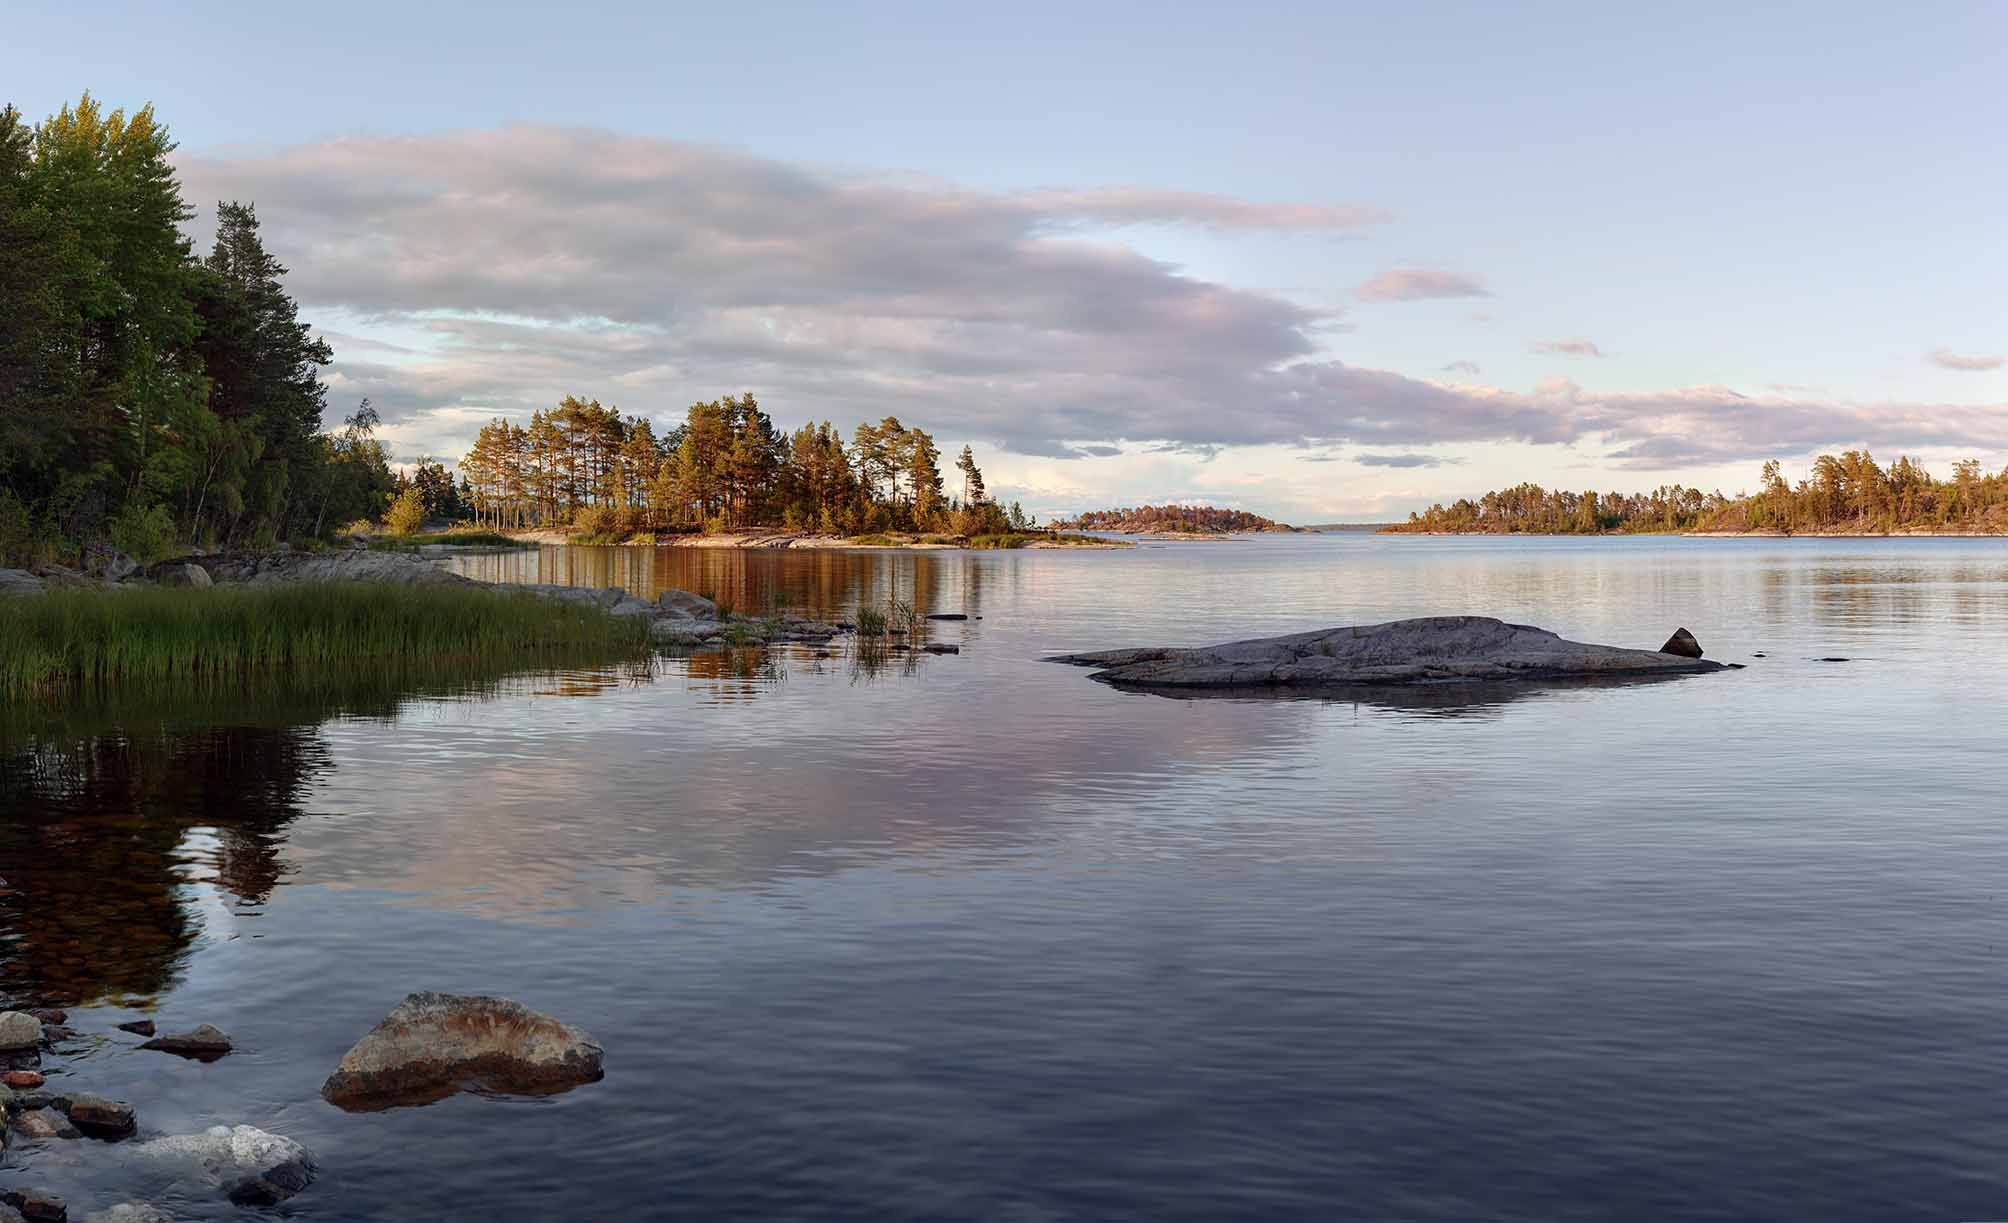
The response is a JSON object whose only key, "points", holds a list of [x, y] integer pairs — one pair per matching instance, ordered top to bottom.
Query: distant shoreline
{"points": [[1897, 534], [755, 538]]}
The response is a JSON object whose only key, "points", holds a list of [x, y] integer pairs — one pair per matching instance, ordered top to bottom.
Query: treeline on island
{"points": [[151, 398], [155, 400], [725, 467], [1845, 494], [1171, 519]]}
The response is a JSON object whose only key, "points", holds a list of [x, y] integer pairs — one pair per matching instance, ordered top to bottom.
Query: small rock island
{"points": [[1431, 649]]}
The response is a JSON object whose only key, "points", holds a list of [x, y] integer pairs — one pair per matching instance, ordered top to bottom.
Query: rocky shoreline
{"points": [[676, 618], [431, 1046]]}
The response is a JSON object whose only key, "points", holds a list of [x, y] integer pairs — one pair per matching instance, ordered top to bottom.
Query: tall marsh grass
{"points": [[89, 636]]}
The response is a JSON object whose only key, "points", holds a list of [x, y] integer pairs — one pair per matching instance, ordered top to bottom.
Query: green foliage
{"points": [[135, 377], [406, 515], [143, 532], [19, 544], [87, 636]]}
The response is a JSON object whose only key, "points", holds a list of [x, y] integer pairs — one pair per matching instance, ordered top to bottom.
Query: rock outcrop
{"points": [[20, 582], [1682, 643], [1433, 649], [433, 1044]]}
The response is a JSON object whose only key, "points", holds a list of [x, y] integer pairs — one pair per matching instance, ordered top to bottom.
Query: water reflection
{"points": [[823, 582], [1447, 700], [127, 808]]}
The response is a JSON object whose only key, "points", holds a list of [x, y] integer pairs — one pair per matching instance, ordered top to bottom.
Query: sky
{"points": [[1327, 262]]}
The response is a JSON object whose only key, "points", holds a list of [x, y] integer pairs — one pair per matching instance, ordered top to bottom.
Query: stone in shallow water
{"points": [[686, 606], [1432, 649], [139, 1027], [19, 1031], [202, 1041], [433, 1044], [26, 1080], [101, 1118], [41, 1123], [250, 1166], [36, 1205], [129, 1212]]}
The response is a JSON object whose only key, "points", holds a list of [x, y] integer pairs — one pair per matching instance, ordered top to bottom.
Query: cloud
{"points": [[495, 271], [1419, 284], [1566, 348], [1947, 359], [1461, 367], [1402, 460]]}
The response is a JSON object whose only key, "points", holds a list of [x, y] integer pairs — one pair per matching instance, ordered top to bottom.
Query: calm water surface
{"points": [[977, 938]]}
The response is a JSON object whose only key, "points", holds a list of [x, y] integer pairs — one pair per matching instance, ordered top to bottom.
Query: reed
{"points": [[94, 636]]}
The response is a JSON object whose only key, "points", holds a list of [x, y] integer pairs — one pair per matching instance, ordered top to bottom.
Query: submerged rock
{"points": [[1682, 643], [1432, 649], [138, 1027], [19, 1030], [202, 1041], [433, 1044], [39, 1123], [250, 1166], [129, 1212]]}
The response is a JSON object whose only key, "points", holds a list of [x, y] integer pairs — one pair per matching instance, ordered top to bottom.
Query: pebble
{"points": [[138, 1027], [25, 1080]]}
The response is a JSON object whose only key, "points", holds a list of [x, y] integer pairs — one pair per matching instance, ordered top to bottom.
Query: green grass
{"points": [[998, 541], [75, 637]]}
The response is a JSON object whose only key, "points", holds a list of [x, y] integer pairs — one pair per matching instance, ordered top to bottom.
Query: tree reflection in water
{"points": [[121, 807]]}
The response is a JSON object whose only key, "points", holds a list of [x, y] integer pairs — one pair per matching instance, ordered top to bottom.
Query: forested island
{"points": [[726, 467], [1849, 494], [1172, 520]]}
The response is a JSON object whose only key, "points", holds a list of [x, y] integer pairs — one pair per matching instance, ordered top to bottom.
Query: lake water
{"points": [[975, 937]]}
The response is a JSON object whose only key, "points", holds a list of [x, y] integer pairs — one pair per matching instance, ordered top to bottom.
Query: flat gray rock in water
{"points": [[1432, 649], [433, 1044]]}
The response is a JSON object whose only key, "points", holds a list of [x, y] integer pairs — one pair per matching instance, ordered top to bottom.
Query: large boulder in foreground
{"points": [[1432, 649], [434, 1044]]}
